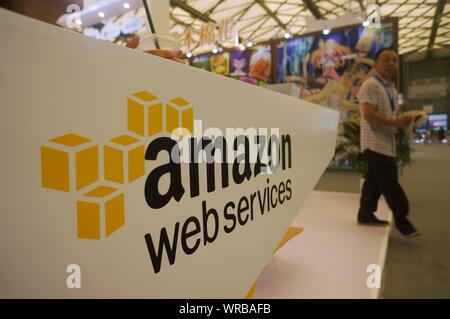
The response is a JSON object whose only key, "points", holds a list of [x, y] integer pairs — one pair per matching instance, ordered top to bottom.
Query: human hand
{"points": [[171, 55], [403, 121]]}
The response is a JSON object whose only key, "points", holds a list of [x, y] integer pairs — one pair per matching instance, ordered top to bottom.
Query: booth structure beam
{"points": [[361, 5], [313, 8], [211, 10], [192, 11], [242, 13], [271, 13], [437, 19], [178, 21]]}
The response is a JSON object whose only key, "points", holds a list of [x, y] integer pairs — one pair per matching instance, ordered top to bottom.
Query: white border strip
{"points": [[375, 292]]}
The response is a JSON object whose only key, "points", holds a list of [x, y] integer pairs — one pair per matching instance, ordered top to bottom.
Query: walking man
{"points": [[379, 123]]}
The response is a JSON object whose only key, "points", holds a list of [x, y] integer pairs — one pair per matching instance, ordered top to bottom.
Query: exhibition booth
{"points": [[127, 175], [97, 180]]}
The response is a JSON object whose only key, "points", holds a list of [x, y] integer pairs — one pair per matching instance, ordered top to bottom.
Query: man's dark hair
{"points": [[377, 55]]}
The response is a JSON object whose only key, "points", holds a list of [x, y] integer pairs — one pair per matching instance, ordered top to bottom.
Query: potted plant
{"points": [[348, 153]]}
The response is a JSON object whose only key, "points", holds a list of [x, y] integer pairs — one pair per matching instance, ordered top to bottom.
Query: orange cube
{"points": [[69, 162]]}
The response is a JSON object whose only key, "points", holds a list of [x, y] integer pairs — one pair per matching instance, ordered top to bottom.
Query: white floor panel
{"points": [[329, 258]]}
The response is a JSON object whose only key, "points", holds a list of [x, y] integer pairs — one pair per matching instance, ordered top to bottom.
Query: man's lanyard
{"points": [[388, 92]]}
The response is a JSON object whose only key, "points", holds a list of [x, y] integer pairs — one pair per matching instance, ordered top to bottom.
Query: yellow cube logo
{"points": [[145, 114], [179, 114], [124, 159], [69, 162], [100, 213]]}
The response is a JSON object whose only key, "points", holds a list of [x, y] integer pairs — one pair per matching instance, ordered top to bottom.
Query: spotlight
{"points": [[126, 5], [101, 14], [365, 23], [326, 30], [287, 35], [250, 44], [214, 50], [189, 55]]}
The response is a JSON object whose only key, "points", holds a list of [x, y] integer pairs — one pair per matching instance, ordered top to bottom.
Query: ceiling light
{"points": [[126, 5], [101, 14], [326, 30], [287, 35], [250, 44], [214, 50], [189, 55]]}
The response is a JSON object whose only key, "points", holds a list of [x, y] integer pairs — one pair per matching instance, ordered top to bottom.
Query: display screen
{"points": [[436, 121]]}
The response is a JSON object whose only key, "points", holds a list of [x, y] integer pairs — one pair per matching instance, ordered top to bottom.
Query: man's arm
{"points": [[373, 117]]}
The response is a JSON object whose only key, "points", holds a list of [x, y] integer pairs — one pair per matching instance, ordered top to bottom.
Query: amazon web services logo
{"points": [[185, 162], [97, 172]]}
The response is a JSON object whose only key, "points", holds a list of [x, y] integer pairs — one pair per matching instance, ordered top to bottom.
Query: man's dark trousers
{"points": [[382, 179]]}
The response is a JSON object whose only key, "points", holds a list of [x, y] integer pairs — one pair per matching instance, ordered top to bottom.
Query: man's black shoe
{"points": [[372, 221], [406, 228], [409, 232]]}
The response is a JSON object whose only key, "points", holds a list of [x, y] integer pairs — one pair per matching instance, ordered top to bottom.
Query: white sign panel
{"points": [[94, 201]]}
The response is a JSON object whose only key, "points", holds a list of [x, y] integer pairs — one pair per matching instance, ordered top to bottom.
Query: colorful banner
{"points": [[202, 62], [240, 62], [220, 63], [261, 63], [252, 65], [330, 68]]}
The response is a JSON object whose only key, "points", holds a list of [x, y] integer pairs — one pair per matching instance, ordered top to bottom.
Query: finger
{"points": [[133, 43], [163, 53]]}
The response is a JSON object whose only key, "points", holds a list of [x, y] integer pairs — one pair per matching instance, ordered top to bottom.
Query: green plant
{"points": [[403, 149], [348, 153]]}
